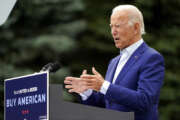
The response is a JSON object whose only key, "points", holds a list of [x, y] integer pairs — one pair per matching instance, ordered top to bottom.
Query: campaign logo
{"points": [[6, 7]]}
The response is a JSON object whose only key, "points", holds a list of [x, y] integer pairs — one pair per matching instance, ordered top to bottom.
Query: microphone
{"points": [[51, 67]]}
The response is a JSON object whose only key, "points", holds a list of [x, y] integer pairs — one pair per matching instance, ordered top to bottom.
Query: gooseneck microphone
{"points": [[51, 67]]}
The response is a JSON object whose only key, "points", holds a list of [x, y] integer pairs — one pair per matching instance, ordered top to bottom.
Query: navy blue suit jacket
{"points": [[137, 86]]}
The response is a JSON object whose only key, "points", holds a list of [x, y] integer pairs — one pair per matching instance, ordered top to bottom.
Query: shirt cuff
{"points": [[104, 87], [85, 95]]}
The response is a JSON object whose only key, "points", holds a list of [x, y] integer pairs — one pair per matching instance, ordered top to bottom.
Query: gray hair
{"points": [[134, 16]]}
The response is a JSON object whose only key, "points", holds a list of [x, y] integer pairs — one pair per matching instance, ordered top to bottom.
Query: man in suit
{"points": [[133, 79]]}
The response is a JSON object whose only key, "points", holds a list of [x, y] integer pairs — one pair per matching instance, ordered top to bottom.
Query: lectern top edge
{"points": [[38, 73]]}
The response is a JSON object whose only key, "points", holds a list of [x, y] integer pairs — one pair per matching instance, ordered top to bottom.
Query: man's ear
{"points": [[6, 7], [137, 28]]}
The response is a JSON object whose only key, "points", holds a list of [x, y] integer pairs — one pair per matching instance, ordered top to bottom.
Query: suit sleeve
{"points": [[150, 81], [96, 99]]}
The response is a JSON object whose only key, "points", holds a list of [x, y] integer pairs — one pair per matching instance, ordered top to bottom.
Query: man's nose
{"points": [[113, 31]]}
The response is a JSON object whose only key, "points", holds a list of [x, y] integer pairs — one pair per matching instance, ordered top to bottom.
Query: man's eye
{"points": [[117, 26]]}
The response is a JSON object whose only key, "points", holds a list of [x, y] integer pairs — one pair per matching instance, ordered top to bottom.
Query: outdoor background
{"points": [[77, 33]]}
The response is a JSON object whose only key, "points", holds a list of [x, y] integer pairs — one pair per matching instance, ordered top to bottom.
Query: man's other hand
{"points": [[94, 81]]}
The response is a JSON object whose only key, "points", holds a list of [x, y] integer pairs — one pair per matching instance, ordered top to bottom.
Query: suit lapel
{"points": [[135, 56], [111, 70]]}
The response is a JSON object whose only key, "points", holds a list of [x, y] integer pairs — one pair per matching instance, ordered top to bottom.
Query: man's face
{"points": [[121, 31]]}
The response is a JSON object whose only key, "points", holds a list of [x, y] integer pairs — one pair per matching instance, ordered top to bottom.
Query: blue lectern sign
{"points": [[26, 97]]}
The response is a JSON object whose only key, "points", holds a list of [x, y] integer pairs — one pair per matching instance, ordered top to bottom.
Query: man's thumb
{"points": [[95, 72]]}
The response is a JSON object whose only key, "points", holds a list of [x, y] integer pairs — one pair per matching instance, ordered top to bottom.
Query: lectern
{"points": [[32, 98]]}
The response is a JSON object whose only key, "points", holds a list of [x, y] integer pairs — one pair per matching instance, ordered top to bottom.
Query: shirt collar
{"points": [[130, 49]]}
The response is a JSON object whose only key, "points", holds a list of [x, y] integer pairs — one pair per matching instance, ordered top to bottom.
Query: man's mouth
{"points": [[116, 39]]}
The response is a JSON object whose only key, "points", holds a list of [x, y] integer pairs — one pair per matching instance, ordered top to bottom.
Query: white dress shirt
{"points": [[125, 55]]}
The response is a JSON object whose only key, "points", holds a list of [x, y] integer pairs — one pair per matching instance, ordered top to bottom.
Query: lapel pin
{"points": [[136, 57]]}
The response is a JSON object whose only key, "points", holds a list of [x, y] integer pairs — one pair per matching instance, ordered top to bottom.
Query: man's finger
{"points": [[86, 76], [71, 78], [67, 82], [87, 82], [68, 86], [71, 90]]}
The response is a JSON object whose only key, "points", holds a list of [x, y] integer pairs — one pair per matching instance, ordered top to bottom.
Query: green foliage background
{"points": [[77, 33]]}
